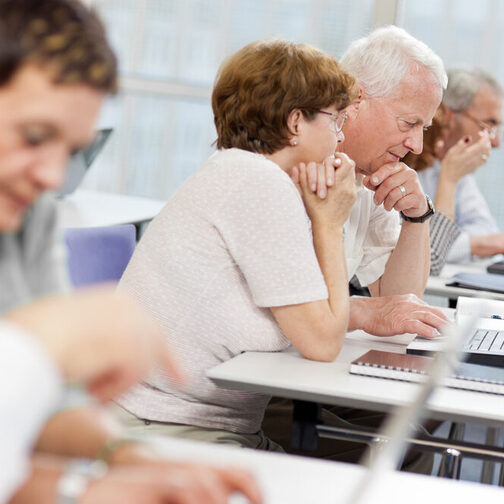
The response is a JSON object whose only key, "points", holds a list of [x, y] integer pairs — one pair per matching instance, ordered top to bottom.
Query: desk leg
{"points": [[305, 417], [451, 458], [450, 464], [487, 472]]}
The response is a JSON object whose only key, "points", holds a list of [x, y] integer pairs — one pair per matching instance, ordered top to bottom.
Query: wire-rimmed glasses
{"points": [[337, 119], [494, 130]]}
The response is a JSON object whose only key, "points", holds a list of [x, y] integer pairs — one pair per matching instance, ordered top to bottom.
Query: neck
{"points": [[284, 158]]}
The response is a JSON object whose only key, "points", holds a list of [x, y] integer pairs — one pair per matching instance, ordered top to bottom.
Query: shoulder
{"points": [[246, 164], [237, 171]]}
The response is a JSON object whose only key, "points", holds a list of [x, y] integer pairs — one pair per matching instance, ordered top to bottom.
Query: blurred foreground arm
{"points": [[176, 483]]}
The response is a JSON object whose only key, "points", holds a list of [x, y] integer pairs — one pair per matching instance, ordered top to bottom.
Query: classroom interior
{"points": [[159, 130]]}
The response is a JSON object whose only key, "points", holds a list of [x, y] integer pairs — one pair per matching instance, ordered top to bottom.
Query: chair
{"points": [[99, 254]]}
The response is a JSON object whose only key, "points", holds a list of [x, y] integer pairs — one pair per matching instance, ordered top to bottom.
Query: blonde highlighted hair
{"points": [[64, 37]]}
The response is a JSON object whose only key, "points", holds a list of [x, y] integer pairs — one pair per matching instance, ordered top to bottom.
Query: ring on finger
{"points": [[484, 157], [403, 190]]}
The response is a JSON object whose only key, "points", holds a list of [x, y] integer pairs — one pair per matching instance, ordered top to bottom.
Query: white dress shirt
{"points": [[472, 214], [370, 235]]}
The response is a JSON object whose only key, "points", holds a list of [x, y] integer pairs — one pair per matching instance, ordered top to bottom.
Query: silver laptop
{"points": [[484, 345]]}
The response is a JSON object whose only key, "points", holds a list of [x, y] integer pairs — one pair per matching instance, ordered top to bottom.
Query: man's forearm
{"points": [[486, 245], [407, 269]]}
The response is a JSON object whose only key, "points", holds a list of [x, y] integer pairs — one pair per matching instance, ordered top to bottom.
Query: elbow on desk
{"points": [[316, 331], [325, 344]]}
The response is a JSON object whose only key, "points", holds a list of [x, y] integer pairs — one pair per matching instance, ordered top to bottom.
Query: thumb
{"points": [[295, 177]]}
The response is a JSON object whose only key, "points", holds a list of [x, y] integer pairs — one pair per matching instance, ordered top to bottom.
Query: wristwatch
{"points": [[427, 215], [76, 477]]}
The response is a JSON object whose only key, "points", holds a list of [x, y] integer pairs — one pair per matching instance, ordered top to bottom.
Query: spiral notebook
{"points": [[414, 368]]}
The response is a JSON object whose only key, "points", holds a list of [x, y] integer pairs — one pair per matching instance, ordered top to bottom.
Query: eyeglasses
{"points": [[337, 119], [494, 130]]}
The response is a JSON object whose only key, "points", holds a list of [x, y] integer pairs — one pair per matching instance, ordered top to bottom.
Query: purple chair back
{"points": [[99, 254]]}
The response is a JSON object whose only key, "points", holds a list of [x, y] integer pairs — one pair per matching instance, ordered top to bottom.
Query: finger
{"points": [[344, 158], [336, 162], [347, 168], [329, 171], [312, 172], [384, 172], [295, 175], [303, 177], [295, 179], [321, 181], [367, 183], [391, 185], [393, 199], [406, 203], [437, 312], [432, 319], [418, 327], [111, 384], [242, 481], [185, 486], [213, 489]]}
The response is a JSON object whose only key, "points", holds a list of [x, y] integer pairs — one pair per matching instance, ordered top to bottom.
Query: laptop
{"points": [[81, 161], [485, 344]]}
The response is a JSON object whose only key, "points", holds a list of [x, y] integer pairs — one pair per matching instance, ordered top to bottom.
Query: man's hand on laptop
{"points": [[391, 315]]}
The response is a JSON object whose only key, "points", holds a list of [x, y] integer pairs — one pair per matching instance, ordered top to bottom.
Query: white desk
{"points": [[89, 208], [436, 285], [287, 374], [286, 478]]}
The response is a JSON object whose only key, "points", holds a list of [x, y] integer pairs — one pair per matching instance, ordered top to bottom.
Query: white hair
{"points": [[381, 60], [464, 84]]}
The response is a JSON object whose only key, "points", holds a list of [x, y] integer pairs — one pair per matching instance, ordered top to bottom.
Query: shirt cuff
{"points": [[460, 251], [374, 270]]}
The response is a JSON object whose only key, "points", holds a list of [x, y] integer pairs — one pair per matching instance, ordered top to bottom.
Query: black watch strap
{"points": [[427, 215]]}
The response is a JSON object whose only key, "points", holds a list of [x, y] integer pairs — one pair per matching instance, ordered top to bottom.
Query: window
{"points": [[466, 35], [169, 53]]}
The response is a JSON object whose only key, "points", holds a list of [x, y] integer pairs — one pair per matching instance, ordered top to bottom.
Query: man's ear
{"points": [[353, 109], [294, 122]]}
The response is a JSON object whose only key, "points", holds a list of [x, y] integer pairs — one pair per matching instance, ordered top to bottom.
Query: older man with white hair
{"points": [[401, 82], [471, 129]]}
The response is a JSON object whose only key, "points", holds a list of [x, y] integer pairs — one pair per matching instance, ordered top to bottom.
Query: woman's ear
{"points": [[295, 126]]}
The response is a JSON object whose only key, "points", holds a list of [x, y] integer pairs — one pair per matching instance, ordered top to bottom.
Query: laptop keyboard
{"points": [[486, 341]]}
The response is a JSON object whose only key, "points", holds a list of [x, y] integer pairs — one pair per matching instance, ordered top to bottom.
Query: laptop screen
{"points": [[81, 161]]}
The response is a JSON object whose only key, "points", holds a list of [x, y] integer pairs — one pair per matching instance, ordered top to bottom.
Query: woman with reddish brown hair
{"points": [[242, 259]]}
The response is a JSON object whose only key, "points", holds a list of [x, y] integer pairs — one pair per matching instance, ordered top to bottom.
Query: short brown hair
{"points": [[63, 36], [259, 86], [435, 133]]}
